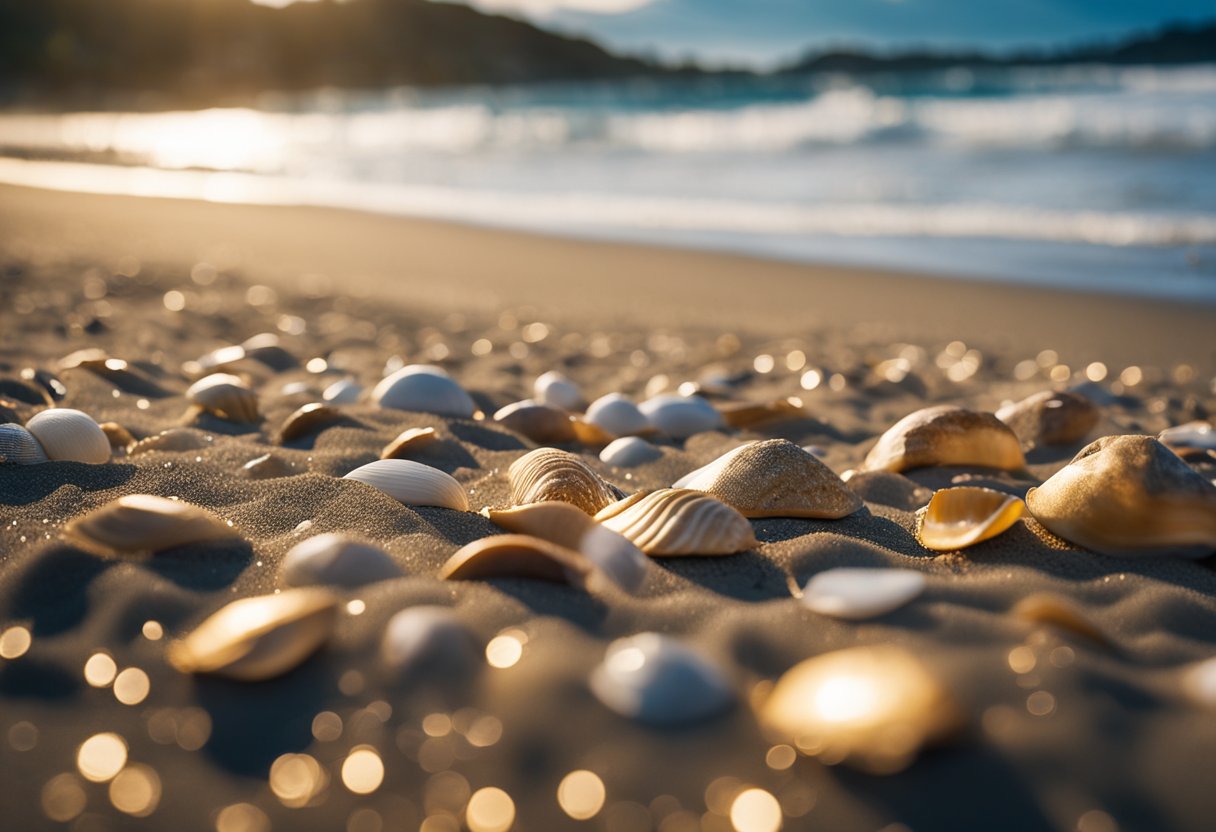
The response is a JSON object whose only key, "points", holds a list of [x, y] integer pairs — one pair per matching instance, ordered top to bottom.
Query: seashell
{"points": [[268, 349], [220, 359], [114, 370], [46, 380], [423, 388], [555, 390], [343, 391], [24, 393], [225, 396], [742, 415], [618, 416], [681, 416], [1051, 418], [307, 420], [537, 421], [589, 434], [70, 435], [946, 435], [1197, 435], [118, 436], [173, 440], [408, 442], [19, 447], [629, 451], [268, 466], [547, 474], [774, 478], [412, 483], [1129, 496], [960, 517], [678, 521], [143, 523], [564, 524], [517, 556], [338, 560], [858, 594], [1047, 608], [258, 638], [429, 640], [655, 679], [873, 708]]}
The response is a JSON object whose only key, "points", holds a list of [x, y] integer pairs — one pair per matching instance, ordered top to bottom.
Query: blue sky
{"points": [[766, 31]]}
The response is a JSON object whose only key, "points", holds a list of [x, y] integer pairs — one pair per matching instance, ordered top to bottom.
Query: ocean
{"points": [[1090, 177]]}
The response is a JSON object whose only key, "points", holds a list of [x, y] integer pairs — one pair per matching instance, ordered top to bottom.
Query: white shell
{"points": [[296, 388], [425, 389], [555, 390], [343, 391], [226, 396], [617, 415], [681, 416], [70, 435], [1190, 435], [19, 447], [629, 451], [412, 483], [679, 521], [337, 560], [857, 594], [428, 638], [654, 678]]}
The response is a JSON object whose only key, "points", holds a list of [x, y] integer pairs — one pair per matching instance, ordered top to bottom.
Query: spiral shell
{"points": [[423, 388], [555, 390], [226, 396], [618, 416], [681, 416], [1051, 418], [538, 422], [70, 435], [946, 435], [19, 447], [550, 474], [412, 483], [960, 517], [678, 521], [143, 523], [337, 560], [656, 679]]}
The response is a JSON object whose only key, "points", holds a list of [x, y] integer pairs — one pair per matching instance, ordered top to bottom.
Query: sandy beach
{"points": [[1058, 730]]}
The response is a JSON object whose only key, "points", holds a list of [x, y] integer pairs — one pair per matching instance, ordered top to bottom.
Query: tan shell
{"points": [[226, 396], [741, 415], [1051, 418], [307, 420], [537, 422], [589, 434], [69, 435], [946, 435], [118, 436], [172, 440], [409, 441], [547, 474], [774, 478], [413, 483], [1128, 496], [960, 517], [679, 521], [143, 523], [517, 556], [1047, 608], [258, 638], [873, 708]]}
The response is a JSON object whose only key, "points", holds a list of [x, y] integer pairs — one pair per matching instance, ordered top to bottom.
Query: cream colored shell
{"points": [[226, 396], [1051, 418], [946, 435], [70, 436], [549, 474], [413, 483], [679, 521], [144, 523]]}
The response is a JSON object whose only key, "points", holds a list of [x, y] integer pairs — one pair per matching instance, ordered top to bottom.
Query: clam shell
{"points": [[423, 388], [555, 390], [343, 391], [226, 396], [617, 415], [741, 415], [681, 416], [1051, 418], [307, 420], [537, 421], [589, 434], [69, 435], [946, 435], [1197, 435], [118, 436], [172, 440], [409, 441], [19, 447], [629, 452], [268, 466], [547, 474], [774, 478], [412, 483], [1129, 496], [960, 517], [677, 521], [143, 523], [517, 556], [337, 560], [858, 594], [1051, 609], [258, 638], [429, 640], [655, 679], [871, 707]]}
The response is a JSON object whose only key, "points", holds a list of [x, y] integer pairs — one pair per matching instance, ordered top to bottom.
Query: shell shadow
{"points": [[133, 383], [207, 422], [487, 438], [309, 441], [1052, 454], [445, 455], [945, 477], [24, 484], [202, 566], [746, 576], [51, 589], [546, 598]]}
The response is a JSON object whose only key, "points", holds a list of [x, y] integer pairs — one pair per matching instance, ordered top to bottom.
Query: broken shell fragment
{"points": [[423, 388], [555, 390], [226, 396], [617, 415], [681, 416], [1051, 418], [307, 420], [538, 422], [69, 435], [946, 435], [1198, 435], [408, 442], [19, 447], [629, 452], [548, 474], [774, 478], [412, 483], [1128, 496], [960, 517], [678, 521], [143, 523], [517, 556], [337, 560], [858, 594], [258, 638], [655, 679]]}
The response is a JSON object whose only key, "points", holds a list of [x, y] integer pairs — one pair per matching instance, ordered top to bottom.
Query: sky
{"points": [[766, 32]]}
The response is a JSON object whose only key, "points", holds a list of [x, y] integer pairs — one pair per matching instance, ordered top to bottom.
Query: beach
{"points": [[1058, 730]]}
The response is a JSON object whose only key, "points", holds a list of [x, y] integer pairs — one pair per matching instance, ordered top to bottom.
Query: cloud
{"points": [[543, 8]]}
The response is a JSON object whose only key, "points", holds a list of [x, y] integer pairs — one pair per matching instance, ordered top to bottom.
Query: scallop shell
{"points": [[423, 388], [555, 390], [343, 391], [225, 396], [741, 415], [618, 416], [681, 416], [1051, 418], [307, 420], [537, 421], [70, 435], [946, 435], [1197, 435], [118, 436], [172, 440], [409, 441], [19, 447], [629, 452], [547, 474], [774, 478], [412, 483], [1129, 496], [960, 517], [678, 521], [143, 523], [517, 556], [337, 560], [858, 594], [1051, 609], [258, 638], [429, 640], [655, 679], [871, 707]]}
